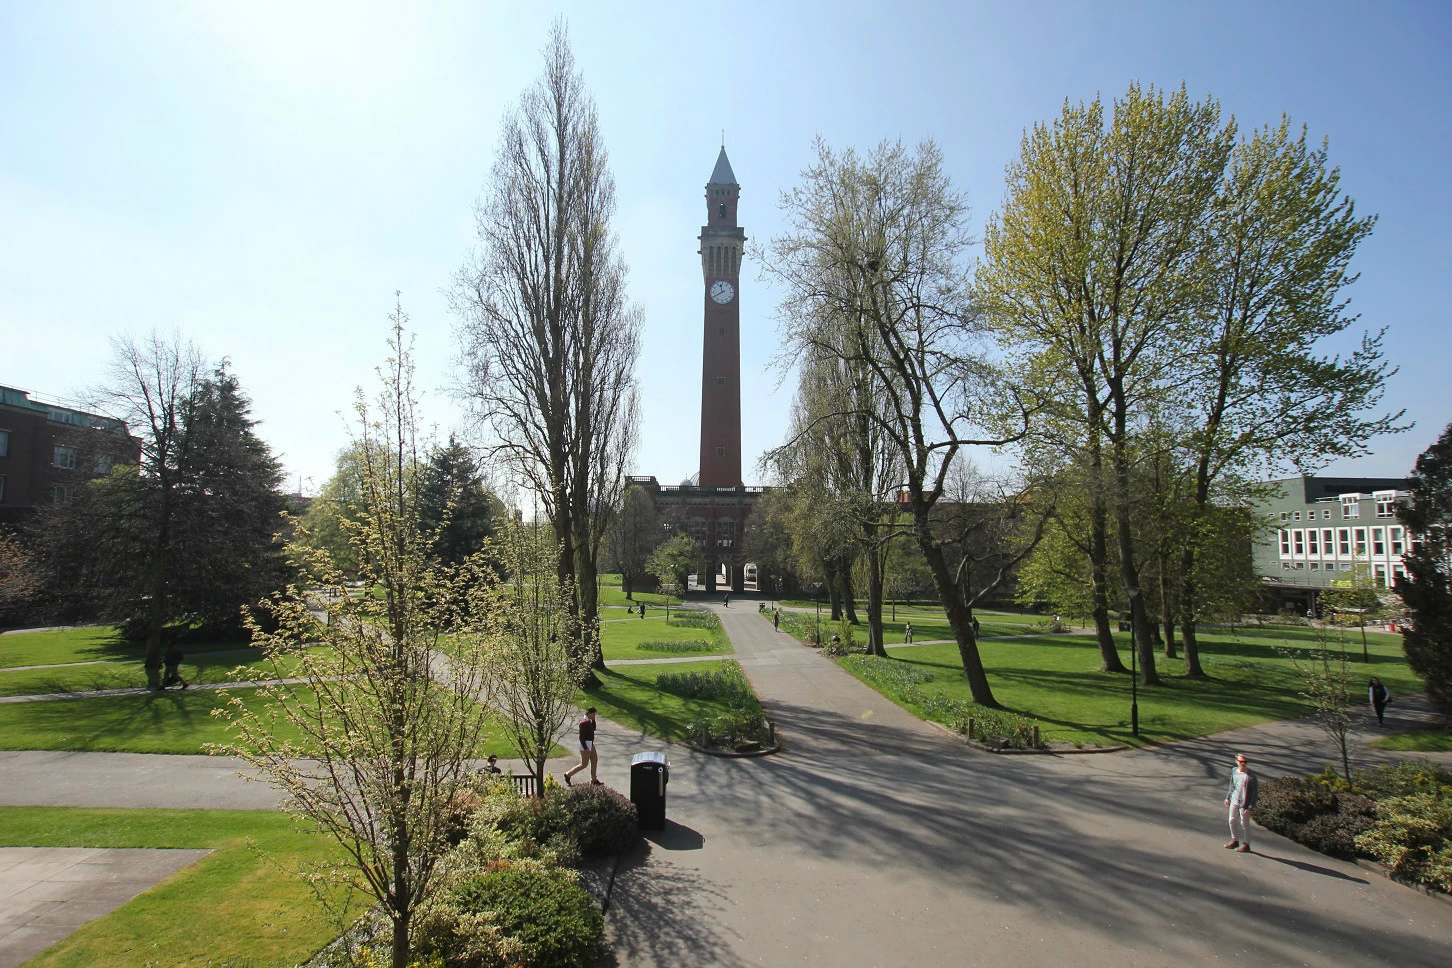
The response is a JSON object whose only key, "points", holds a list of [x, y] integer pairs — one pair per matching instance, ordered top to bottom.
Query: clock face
{"points": [[722, 291]]}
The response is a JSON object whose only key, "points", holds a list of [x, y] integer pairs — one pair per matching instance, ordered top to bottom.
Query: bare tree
{"points": [[875, 247], [548, 338], [153, 387], [533, 636], [1326, 684], [389, 724]]}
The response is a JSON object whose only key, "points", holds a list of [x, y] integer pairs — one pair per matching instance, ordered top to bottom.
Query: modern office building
{"points": [[47, 451], [1322, 530]]}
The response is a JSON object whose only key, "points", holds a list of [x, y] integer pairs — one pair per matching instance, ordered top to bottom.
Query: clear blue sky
{"points": [[264, 176]]}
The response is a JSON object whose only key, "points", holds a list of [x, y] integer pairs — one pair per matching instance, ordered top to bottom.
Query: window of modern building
{"points": [[4, 443], [65, 457], [60, 494], [1350, 507], [1386, 507], [1325, 514], [1285, 515], [1295, 515], [1299, 538], [1343, 538], [1396, 540], [1360, 541], [1285, 542], [1378, 542], [1313, 545], [1328, 545], [1286, 565], [1315, 566], [1381, 576]]}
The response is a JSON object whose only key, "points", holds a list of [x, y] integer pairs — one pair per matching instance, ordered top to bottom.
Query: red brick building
{"points": [[47, 451], [714, 509]]}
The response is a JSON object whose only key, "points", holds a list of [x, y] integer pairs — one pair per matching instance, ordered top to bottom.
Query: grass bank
{"points": [[1055, 679], [632, 697], [240, 905]]}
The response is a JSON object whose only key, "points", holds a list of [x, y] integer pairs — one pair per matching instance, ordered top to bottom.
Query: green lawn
{"points": [[615, 597], [928, 624], [622, 640], [87, 644], [199, 669], [1055, 680], [631, 697], [175, 721], [1417, 741], [241, 905]]}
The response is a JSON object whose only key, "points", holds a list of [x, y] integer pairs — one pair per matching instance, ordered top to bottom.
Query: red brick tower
{"points": [[722, 242]]}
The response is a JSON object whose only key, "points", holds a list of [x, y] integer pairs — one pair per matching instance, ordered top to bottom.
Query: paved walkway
{"points": [[875, 839], [48, 892]]}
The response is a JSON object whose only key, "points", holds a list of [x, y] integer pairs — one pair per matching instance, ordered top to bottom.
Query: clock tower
{"points": [[722, 242]]}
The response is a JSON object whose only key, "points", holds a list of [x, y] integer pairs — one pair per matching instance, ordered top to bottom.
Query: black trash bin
{"points": [[649, 774]]}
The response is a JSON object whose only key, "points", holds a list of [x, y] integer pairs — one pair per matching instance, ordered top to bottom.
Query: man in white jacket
{"points": [[1240, 798]]}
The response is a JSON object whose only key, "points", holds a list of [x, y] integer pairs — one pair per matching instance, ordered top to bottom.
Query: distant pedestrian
{"points": [[726, 601], [642, 609], [776, 619], [975, 626], [907, 633], [173, 668], [1379, 696], [588, 756], [1240, 798]]}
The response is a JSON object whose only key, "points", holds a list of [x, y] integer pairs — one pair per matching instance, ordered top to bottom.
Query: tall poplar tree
{"points": [[548, 336]]}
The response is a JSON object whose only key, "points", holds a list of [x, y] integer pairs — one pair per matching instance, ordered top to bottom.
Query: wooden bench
{"points": [[526, 784]]}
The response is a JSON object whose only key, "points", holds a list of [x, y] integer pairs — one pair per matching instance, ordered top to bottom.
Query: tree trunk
{"points": [[1188, 594], [849, 597], [1167, 615], [959, 618], [875, 644], [1109, 660]]}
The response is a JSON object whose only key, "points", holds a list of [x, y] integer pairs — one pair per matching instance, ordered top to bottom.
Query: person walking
{"points": [[642, 609], [776, 619], [907, 633], [173, 668], [1379, 696], [588, 756], [1240, 798]]}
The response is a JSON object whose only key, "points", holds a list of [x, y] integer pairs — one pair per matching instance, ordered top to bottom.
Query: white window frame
{"points": [[63, 457]]}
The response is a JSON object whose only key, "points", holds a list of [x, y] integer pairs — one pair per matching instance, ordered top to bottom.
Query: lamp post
{"points": [[817, 586], [1133, 667]]}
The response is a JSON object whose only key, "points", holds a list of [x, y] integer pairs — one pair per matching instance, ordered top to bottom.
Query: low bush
{"points": [[689, 645], [728, 683], [732, 730], [1400, 815], [602, 820], [541, 821], [1412, 836], [517, 913]]}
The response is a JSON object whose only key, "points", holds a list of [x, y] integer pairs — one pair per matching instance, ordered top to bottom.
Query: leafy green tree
{"points": [[1091, 272], [456, 505], [326, 522], [675, 559], [1427, 587]]}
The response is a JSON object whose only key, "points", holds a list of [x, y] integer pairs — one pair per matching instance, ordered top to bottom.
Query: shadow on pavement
{"points": [[675, 836], [1310, 868], [662, 914]]}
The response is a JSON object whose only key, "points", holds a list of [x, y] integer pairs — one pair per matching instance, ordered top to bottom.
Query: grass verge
{"points": [[622, 640], [91, 643], [200, 669], [1055, 680], [632, 697], [177, 722], [1417, 741], [240, 905]]}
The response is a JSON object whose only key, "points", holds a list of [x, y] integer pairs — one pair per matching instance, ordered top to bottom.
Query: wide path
{"points": [[875, 840]]}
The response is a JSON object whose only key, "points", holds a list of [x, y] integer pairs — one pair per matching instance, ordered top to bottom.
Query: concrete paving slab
{"points": [[49, 892]]}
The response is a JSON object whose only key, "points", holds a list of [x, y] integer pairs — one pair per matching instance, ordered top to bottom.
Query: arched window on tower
{"points": [[723, 210]]}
